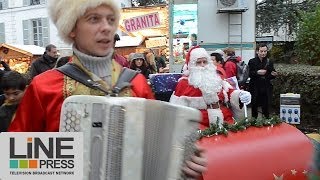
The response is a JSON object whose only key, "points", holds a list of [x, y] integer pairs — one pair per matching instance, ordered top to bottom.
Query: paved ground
{"points": [[314, 136]]}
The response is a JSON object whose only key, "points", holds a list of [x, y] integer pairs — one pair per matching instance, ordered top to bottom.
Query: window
{"points": [[33, 2], [3, 4], [36, 32], [2, 33]]}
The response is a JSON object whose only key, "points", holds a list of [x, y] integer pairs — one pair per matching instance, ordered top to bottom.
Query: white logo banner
{"points": [[41, 155]]}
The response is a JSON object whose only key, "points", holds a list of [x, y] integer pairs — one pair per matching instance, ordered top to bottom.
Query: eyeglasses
{"points": [[138, 59]]}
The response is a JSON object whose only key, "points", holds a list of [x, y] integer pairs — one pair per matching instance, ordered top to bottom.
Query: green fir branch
{"points": [[241, 125]]}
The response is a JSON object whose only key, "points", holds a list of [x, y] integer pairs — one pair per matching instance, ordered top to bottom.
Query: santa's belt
{"points": [[213, 105]]}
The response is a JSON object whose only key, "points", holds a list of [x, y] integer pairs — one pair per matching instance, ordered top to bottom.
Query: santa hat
{"points": [[65, 13], [189, 53], [192, 56]]}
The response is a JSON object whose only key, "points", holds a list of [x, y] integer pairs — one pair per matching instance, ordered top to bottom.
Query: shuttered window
{"points": [[33, 2], [3, 4], [26, 32], [36, 32], [2, 33]]}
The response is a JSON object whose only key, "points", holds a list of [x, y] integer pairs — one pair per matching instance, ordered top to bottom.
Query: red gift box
{"points": [[279, 152]]}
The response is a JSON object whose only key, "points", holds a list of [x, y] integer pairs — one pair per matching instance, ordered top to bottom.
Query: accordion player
{"points": [[131, 138]]}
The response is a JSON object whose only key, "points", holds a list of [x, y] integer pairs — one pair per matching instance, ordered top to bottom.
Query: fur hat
{"points": [[65, 13], [138, 56]]}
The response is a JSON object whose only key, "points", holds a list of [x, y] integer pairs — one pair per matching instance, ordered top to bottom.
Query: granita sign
{"points": [[142, 22]]}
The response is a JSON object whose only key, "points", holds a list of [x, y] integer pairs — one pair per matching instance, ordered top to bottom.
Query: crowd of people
{"points": [[91, 32], [204, 84]]}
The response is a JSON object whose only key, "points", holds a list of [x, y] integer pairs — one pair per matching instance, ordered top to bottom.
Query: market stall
{"points": [[146, 28], [19, 57]]}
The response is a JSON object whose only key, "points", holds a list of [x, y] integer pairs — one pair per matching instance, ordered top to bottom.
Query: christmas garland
{"points": [[241, 125]]}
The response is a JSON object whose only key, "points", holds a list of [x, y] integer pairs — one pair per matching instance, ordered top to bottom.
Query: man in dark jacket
{"points": [[46, 62], [5, 68], [260, 87]]}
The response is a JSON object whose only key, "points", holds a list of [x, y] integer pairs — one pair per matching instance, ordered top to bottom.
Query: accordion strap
{"points": [[73, 71], [124, 79]]}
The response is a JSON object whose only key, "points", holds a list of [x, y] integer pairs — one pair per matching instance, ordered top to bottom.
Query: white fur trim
{"points": [[65, 13], [198, 53], [185, 70], [183, 77], [226, 86], [225, 95], [194, 102], [198, 103], [238, 113], [213, 115]]}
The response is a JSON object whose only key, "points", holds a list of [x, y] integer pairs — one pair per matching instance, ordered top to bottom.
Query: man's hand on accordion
{"points": [[197, 165]]}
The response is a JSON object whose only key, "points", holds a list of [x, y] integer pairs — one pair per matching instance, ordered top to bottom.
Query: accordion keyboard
{"points": [[131, 138]]}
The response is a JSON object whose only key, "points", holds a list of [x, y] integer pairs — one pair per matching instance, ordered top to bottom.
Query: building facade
{"points": [[26, 22]]}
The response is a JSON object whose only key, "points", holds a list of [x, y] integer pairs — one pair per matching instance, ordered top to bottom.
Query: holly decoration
{"points": [[241, 125]]}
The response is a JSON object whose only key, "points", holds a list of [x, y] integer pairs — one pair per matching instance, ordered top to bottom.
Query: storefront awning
{"points": [[128, 41], [33, 49], [15, 51]]}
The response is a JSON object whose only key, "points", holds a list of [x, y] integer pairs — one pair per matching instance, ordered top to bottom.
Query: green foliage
{"points": [[274, 15], [308, 38], [283, 52], [276, 53], [303, 80], [239, 126]]}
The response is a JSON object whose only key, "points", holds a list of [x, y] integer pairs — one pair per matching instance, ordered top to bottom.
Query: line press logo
{"points": [[52, 150], [43, 154]]}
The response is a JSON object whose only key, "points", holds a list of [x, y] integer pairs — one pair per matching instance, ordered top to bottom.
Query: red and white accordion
{"points": [[131, 138]]}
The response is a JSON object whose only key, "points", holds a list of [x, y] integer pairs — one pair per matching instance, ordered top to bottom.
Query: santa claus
{"points": [[202, 88]]}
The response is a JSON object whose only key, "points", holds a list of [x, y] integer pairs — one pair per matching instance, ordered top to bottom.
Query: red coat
{"points": [[231, 68], [221, 71], [187, 95], [39, 110]]}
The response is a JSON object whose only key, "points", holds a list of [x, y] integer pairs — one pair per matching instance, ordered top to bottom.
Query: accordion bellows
{"points": [[131, 138]]}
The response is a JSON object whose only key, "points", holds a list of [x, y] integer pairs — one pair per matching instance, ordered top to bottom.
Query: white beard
{"points": [[207, 80]]}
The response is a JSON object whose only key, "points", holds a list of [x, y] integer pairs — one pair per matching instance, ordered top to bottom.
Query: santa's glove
{"points": [[245, 97]]}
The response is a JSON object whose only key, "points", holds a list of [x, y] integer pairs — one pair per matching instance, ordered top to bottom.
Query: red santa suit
{"points": [[207, 92], [39, 110]]}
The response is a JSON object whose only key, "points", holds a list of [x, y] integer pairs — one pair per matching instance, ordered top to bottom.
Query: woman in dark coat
{"points": [[138, 63]]}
